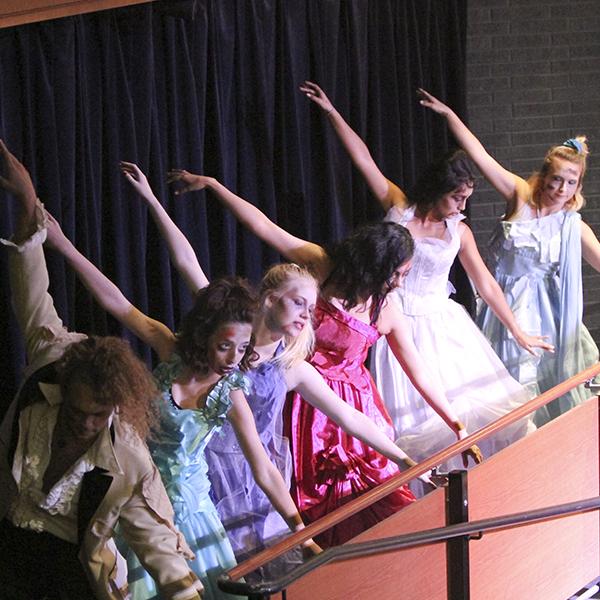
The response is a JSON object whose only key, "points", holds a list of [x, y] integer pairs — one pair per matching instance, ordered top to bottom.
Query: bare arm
{"points": [[16, 181], [511, 187], [387, 193], [590, 246], [292, 247], [180, 250], [492, 294], [110, 297], [391, 324], [307, 381], [265, 473]]}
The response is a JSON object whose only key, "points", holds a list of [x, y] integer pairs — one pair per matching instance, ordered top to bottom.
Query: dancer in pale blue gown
{"points": [[536, 255], [477, 385], [179, 455]]}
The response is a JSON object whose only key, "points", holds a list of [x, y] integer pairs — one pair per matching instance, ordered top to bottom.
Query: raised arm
{"points": [[511, 187], [387, 193], [292, 247], [180, 250], [492, 294], [110, 297], [391, 323], [44, 334], [307, 381], [265, 473]]}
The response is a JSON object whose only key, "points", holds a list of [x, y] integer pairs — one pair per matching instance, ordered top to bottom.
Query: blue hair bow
{"points": [[574, 144]]}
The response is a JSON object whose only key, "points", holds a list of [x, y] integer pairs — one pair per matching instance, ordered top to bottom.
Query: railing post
{"points": [[457, 550]]}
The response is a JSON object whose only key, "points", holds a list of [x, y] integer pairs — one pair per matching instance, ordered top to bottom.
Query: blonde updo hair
{"points": [[576, 151], [276, 282]]}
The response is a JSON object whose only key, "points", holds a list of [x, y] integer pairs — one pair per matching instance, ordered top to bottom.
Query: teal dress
{"points": [[537, 262], [178, 451]]}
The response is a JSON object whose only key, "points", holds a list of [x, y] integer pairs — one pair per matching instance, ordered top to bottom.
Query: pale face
{"points": [[560, 183], [452, 203], [398, 277], [291, 311], [227, 346], [82, 416]]}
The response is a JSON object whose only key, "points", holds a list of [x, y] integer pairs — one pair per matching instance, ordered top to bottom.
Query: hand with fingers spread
{"points": [[314, 93], [430, 101], [188, 181], [531, 342]]}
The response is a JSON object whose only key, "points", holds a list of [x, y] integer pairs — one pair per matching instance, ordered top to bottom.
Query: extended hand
{"points": [[317, 95], [429, 101], [137, 179], [189, 181], [529, 342]]}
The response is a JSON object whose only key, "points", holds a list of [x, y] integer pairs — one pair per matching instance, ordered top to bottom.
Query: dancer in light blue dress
{"points": [[536, 256], [178, 452]]}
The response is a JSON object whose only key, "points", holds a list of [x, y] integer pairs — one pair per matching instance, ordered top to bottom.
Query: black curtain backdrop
{"points": [[217, 94]]}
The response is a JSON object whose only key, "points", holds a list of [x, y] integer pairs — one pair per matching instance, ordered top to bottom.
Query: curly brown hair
{"points": [[118, 378]]}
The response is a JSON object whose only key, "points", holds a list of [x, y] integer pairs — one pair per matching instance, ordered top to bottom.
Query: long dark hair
{"points": [[441, 177], [366, 260], [224, 300]]}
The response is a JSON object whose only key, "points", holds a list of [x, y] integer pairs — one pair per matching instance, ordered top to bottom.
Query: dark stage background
{"points": [[217, 94]]}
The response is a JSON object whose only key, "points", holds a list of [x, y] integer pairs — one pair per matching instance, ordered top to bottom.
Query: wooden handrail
{"points": [[382, 490], [418, 538]]}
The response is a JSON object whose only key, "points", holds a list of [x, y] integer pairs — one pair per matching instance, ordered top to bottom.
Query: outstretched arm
{"points": [[16, 181], [511, 187], [387, 193], [292, 247], [180, 250], [490, 291], [109, 296], [391, 324], [44, 334], [307, 381], [265, 473]]}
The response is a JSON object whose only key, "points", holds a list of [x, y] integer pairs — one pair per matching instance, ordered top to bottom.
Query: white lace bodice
{"points": [[426, 286]]}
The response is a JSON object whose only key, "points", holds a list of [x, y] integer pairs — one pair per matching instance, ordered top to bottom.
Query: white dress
{"points": [[476, 383]]}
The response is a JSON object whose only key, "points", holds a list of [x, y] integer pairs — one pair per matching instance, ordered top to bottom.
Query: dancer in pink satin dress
{"points": [[331, 467]]}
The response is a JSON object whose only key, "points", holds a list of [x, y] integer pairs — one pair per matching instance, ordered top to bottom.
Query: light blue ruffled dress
{"points": [[537, 262], [178, 452]]}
